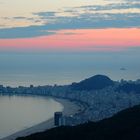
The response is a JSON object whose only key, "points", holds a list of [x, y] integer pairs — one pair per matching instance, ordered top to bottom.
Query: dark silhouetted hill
{"points": [[96, 82], [123, 126]]}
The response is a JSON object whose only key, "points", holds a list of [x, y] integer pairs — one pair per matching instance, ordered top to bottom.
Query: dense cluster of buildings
{"points": [[100, 103]]}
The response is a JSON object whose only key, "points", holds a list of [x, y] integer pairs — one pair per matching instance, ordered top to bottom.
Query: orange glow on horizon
{"points": [[112, 39]]}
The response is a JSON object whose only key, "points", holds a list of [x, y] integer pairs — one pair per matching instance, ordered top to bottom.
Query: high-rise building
{"points": [[58, 117]]}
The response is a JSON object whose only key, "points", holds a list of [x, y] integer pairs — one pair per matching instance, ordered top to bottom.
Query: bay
{"points": [[21, 112]]}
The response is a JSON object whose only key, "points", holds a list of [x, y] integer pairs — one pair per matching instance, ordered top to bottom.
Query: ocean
{"points": [[23, 69]]}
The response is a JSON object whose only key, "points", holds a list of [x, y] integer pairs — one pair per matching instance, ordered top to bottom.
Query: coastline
{"points": [[70, 108]]}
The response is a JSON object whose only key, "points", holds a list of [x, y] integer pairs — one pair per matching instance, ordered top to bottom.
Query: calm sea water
{"points": [[63, 68], [20, 112]]}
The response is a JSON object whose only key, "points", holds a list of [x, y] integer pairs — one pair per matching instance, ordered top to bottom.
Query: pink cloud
{"points": [[81, 40]]}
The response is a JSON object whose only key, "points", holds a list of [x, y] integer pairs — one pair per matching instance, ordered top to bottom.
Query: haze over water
{"points": [[65, 68]]}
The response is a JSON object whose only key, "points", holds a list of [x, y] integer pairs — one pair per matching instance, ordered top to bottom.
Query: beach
{"points": [[70, 108]]}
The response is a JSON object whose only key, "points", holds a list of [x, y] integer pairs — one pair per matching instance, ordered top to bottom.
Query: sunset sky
{"points": [[82, 25], [101, 28]]}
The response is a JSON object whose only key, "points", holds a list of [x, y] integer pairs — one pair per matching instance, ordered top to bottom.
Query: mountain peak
{"points": [[96, 82]]}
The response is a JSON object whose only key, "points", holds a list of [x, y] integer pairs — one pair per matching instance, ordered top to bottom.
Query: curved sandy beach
{"points": [[70, 108]]}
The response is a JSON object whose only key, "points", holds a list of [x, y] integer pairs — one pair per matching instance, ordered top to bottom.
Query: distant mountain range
{"points": [[93, 83], [123, 126]]}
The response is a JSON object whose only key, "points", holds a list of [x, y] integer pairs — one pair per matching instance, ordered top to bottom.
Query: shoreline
{"points": [[70, 108]]}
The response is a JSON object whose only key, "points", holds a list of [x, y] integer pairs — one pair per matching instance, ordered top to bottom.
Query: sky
{"points": [[69, 25], [80, 31]]}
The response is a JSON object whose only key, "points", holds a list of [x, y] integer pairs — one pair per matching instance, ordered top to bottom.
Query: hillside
{"points": [[93, 83], [129, 87], [123, 126]]}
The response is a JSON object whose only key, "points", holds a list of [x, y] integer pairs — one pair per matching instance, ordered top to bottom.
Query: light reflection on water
{"points": [[20, 112]]}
